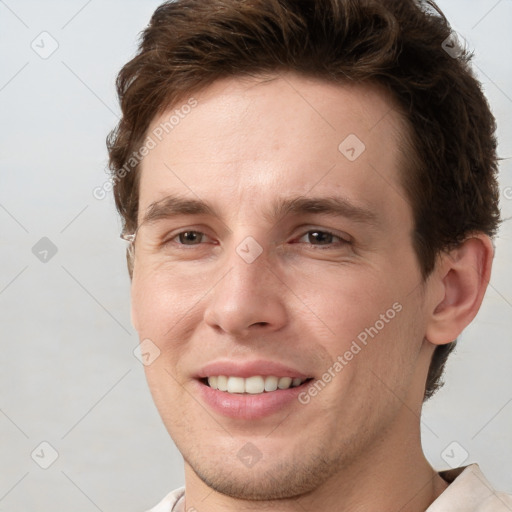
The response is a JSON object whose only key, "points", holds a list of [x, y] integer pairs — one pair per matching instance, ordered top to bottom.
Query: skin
{"points": [[356, 445]]}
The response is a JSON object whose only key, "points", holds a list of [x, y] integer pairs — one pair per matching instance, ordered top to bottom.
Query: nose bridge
{"points": [[248, 255], [249, 261], [248, 264], [248, 294]]}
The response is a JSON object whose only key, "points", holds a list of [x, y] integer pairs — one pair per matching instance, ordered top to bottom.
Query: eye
{"points": [[189, 237], [318, 237], [315, 238]]}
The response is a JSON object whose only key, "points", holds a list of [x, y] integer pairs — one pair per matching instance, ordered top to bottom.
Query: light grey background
{"points": [[68, 373]]}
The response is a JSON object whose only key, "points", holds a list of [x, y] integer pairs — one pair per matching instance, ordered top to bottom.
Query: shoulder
{"points": [[469, 490], [169, 502], [499, 502]]}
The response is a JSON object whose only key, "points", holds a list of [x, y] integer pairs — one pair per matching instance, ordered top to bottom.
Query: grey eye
{"points": [[190, 237]]}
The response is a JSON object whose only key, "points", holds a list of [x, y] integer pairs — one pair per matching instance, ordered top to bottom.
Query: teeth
{"points": [[284, 382], [222, 383], [271, 383], [236, 385], [252, 385]]}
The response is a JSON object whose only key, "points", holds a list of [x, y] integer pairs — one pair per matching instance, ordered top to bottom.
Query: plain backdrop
{"points": [[73, 396]]}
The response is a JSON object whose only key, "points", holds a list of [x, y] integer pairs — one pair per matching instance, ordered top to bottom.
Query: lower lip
{"points": [[249, 407]]}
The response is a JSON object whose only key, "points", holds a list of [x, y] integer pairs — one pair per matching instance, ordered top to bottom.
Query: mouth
{"points": [[254, 385], [250, 390], [251, 398]]}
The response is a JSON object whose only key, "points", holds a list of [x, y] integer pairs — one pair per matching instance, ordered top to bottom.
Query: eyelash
{"points": [[342, 241]]}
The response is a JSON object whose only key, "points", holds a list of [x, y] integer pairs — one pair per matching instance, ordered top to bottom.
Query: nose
{"points": [[248, 298]]}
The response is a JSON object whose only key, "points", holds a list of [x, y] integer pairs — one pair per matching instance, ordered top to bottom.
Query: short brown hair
{"points": [[451, 175]]}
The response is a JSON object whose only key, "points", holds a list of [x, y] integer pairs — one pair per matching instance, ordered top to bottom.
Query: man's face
{"points": [[332, 302]]}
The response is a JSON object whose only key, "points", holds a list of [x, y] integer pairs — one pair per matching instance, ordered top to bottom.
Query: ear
{"points": [[461, 278]]}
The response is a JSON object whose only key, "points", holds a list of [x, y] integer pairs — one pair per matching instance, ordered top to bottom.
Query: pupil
{"points": [[189, 236], [321, 236]]}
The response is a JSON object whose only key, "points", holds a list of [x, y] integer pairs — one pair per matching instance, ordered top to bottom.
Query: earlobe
{"points": [[463, 275]]}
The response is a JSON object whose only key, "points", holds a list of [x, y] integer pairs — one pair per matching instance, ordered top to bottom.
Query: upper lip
{"points": [[247, 369]]}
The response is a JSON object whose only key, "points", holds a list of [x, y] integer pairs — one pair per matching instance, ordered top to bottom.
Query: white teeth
{"points": [[284, 382], [222, 383], [271, 383], [236, 385], [252, 385]]}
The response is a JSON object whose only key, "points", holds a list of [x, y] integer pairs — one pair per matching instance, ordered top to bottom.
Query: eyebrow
{"points": [[175, 205]]}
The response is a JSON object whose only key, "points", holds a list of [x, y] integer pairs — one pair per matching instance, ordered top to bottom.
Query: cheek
{"points": [[163, 300], [346, 301], [370, 325]]}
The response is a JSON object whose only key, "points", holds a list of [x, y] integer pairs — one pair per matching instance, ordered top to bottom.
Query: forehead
{"points": [[248, 139]]}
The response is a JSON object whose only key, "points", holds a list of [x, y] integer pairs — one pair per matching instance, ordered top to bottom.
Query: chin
{"points": [[267, 478]]}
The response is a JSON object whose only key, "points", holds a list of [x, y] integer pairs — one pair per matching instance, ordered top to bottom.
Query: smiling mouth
{"points": [[254, 385]]}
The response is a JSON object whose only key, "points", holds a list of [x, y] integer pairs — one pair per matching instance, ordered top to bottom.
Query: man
{"points": [[309, 192]]}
